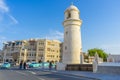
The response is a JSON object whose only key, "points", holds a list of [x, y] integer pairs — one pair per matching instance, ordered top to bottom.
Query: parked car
{"points": [[12, 63], [28, 63], [1, 64], [45, 64], [6, 65], [34, 65], [53, 65]]}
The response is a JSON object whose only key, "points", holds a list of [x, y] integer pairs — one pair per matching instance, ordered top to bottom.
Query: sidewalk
{"points": [[92, 75]]}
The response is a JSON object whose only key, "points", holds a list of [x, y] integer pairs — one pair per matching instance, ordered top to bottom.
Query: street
{"points": [[31, 74]]}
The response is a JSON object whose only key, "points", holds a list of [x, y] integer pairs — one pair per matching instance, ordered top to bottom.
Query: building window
{"points": [[69, 15], [66, 32], [17, 43], [9, 44], [13, 44], [65, 47], [29, 49], [34, 49], [41, 49], [48, 49], [53, 51], [22, 54]]}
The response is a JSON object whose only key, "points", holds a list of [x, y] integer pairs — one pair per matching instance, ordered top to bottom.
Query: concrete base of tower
{"points": [[61, 66]]}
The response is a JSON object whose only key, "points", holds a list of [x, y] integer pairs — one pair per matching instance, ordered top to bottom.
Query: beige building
{"points": [[40, 50], [48, 50], [1, 56]]}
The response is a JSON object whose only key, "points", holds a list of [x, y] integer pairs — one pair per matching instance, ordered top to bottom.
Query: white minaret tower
{"points": [[72, 37]]}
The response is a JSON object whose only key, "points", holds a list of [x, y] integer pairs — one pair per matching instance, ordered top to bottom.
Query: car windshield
{"points": [[6, 63], [34, 63]]}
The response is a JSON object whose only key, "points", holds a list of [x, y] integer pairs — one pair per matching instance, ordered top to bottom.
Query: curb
{"points": [[71, 74], [80, 76]]}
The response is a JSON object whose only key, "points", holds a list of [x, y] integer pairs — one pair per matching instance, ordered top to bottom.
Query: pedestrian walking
{"points": [[21, 64], [24, 65], [50, 65], [27, 66]]}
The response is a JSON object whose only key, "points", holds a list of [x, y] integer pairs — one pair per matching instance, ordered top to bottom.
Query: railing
{"points": [[109, 64]]}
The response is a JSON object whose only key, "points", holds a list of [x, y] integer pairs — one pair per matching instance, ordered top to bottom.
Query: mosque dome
{"points": [[72, 7]]}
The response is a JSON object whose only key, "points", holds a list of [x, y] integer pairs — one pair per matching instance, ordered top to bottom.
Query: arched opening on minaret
{"points": [[69, 15]]}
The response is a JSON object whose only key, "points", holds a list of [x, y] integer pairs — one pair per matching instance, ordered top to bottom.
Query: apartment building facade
{"points": [[40, 50]]}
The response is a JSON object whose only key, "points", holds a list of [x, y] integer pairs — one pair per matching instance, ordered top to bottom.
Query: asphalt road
{"points": [[36, 75]]}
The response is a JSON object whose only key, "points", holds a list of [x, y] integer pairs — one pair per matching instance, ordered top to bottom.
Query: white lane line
{"points": [[46, 70], [49, 71], [53, 71], [32, 72], [21, 73], [36, 73], [68, 75], [41, 78]]}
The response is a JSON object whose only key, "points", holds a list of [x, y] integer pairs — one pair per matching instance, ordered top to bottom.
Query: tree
{"points": [[100, 52]]}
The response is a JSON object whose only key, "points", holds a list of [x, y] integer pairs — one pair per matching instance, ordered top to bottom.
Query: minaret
{"points": [[72, 36]]}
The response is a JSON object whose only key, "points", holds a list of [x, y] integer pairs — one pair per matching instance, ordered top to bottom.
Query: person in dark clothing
{"points": [[21, 64], [24, 65], [50, 65]]}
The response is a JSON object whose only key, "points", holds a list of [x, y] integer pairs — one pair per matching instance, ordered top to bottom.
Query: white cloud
{"points": [[3, 7], [6, 19], [13, 19], [55, 35], [2, 39]]}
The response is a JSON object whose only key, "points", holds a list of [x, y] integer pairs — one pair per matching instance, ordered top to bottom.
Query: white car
{"points": [[1, 64]]}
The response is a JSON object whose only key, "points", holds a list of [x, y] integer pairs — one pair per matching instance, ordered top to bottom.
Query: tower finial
{"points": [[71, 3]]}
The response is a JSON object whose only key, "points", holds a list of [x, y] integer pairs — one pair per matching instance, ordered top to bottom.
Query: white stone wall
{"points": [[109, 64], [60, 66]]}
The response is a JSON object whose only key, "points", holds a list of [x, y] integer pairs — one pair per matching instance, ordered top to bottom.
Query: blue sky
{"points": [[25, 19]]}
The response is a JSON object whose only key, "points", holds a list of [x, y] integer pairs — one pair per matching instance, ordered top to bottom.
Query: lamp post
{"points": [[5, 50], [25, 51], [20, 54], [19, 60]]}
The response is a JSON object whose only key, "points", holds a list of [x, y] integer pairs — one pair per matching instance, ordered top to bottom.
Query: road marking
{"points": [[11, 70], [46, 70], [49, 71], [53, 71], [32, 72], [21, 73], [68, 75], [41, 78]]}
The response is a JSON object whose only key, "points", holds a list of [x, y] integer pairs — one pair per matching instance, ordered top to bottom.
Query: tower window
{"points": [[69, 15], [66, 32], [65, 47]]}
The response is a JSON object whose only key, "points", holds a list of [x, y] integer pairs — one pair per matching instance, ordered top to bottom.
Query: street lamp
{"points": [[23, 48], [5, 50], [20, 54]]}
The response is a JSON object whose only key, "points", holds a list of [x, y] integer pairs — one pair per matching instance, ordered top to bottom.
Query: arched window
{"points": [[69, 15], [65, 47], [48, 61]]}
